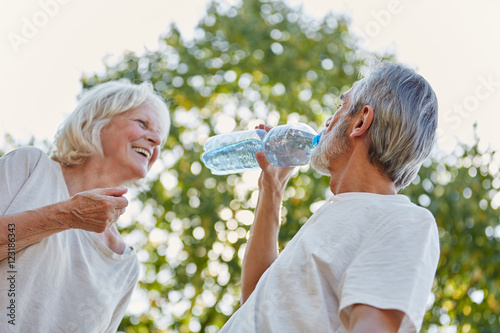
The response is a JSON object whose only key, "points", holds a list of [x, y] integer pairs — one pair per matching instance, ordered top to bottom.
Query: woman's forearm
{"points": [[95, 210], [18, 231]]}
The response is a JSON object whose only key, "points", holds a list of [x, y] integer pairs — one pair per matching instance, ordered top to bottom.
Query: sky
{"points": [[46, 46]]}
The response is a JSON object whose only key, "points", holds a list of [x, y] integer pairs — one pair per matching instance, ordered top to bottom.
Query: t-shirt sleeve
{"points": [[15, 169], [395, 269]]}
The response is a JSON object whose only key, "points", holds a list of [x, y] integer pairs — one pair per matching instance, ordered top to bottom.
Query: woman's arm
{"points": [[93, 210]]}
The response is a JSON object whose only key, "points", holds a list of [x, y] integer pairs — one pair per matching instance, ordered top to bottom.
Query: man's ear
{"points": [[362, 121]]}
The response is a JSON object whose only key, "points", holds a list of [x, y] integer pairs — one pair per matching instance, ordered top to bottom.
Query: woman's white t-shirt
{"points": [[68, 282]]}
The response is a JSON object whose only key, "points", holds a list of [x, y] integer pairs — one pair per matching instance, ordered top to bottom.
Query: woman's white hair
{"points": [[405, 119], [78, 137]]}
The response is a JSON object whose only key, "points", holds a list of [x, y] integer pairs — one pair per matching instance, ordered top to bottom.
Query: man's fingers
{"points": [[264, 127], [262, 160]]}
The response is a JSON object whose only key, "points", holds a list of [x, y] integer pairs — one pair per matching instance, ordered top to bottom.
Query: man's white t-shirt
{"points": [[379, 250], [68, 282]]}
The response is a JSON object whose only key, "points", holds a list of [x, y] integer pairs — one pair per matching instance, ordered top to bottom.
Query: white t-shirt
{"points": [[379, 250], [68, 282]]}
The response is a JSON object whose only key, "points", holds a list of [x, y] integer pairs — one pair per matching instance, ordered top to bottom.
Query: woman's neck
{"points": [[84, 177]]}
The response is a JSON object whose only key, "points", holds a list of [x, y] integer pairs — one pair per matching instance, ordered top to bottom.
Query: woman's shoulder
{"points": [[26, 151], [25, 156]]}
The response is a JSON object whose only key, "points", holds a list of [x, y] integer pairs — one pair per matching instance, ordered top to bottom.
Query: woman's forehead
{"points": [[145, 109], [156, 119]]}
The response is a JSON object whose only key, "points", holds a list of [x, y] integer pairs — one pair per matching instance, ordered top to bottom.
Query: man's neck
{"points": [[355, 173]]}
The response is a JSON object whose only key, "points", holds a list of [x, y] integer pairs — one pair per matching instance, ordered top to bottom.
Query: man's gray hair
{"points": [[405, 119]]}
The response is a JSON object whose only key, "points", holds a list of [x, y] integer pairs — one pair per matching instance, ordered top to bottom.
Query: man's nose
{"points": [[328, 121]]}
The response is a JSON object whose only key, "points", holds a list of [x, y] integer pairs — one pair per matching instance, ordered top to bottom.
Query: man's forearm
{"points": [[262, 245]]}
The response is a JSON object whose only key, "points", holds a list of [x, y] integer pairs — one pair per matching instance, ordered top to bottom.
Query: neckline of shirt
{"points": [[368, 195], [103, 249]]}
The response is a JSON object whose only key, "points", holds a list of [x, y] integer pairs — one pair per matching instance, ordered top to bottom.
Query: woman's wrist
{"points": [[56, 217]]}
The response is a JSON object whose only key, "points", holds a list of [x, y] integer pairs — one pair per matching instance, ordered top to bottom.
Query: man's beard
{"points": [[330, 147]]}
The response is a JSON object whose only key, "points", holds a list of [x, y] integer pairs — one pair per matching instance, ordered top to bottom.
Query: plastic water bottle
{"points": [[285, 146]]}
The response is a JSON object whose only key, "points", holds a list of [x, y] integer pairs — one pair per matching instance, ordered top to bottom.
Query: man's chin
{"points": [[320, 165]]}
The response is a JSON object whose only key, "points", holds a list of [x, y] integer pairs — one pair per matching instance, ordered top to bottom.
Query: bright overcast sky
{"points": [[453, 43]]}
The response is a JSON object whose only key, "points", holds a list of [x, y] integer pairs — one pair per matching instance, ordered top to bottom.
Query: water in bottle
{"points": [[285, 146], [233, 152]]}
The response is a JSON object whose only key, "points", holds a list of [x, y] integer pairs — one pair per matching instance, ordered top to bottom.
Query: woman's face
{"points": [[131, 142]]}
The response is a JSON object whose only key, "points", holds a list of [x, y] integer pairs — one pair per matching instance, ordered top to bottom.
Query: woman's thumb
{"points": [[113, 191]]}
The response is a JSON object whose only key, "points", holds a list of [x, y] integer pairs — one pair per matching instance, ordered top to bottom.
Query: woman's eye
{"points": [[142, 122]]}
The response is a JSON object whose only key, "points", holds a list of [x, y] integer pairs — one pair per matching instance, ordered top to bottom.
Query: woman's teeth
{"points": [[143, 152]]}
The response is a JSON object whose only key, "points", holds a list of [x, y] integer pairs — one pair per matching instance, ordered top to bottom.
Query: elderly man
{"points": [[365, 261]]}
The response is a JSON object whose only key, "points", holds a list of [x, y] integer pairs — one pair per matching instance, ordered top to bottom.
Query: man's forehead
{"points": [[345, 96]]}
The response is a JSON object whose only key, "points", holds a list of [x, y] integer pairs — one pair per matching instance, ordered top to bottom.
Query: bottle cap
{"points": [[316, 139]]}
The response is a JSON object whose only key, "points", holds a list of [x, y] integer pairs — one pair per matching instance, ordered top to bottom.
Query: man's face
{"points": [[334, 138]]}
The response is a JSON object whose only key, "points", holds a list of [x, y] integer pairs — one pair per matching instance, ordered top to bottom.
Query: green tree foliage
{"points": [[257, 62], [264, 62], [462, 191]]}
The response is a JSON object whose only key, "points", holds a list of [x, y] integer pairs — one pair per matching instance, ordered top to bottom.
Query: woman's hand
{"points": [[95, 210]]}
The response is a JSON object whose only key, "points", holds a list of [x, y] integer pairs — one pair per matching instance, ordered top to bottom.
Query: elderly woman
{"points": [[67, 267]]}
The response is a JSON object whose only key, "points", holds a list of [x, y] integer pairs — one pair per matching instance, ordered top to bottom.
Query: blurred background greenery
{"points": [[265, 62]]}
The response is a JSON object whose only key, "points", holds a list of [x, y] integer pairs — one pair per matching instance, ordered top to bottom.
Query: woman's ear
{"points": [[362, 121]]}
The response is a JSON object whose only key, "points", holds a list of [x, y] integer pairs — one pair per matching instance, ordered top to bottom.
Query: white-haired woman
{"points": [[69, 269]]}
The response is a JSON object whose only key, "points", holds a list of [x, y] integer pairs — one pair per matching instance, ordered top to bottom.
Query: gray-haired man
{"points": [[365, 261]]}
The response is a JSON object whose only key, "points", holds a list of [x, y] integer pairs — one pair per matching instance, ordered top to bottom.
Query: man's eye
{"points": [[339, 106]]}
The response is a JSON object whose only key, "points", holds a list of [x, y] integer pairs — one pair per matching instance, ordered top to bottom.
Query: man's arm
{"points": [[262, 245], [365, 318]]}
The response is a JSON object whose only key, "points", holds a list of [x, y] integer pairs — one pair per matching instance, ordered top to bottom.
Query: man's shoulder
{"points": [[386, 204], [411, 210], [397, 211], [410, 221]]}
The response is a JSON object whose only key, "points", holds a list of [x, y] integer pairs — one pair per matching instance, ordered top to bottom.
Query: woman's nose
{"points": [[154, 137]]}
